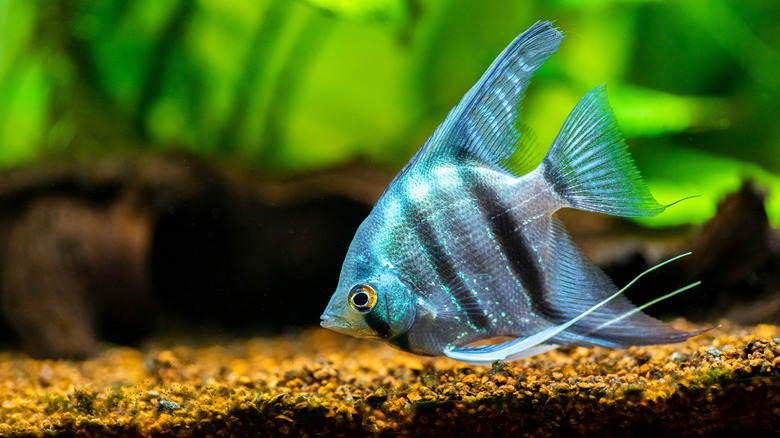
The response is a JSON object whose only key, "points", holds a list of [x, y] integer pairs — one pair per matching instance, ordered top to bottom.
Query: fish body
{"points": [[463, 246]]}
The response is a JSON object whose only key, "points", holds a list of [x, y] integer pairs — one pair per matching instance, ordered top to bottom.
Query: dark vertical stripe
{"points": [[552, 176], [506, 228], [444, 266], [377, 324], [401, 341]]}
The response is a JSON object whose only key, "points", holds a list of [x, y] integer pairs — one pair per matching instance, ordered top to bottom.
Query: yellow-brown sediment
{"points": [[319, 383]]}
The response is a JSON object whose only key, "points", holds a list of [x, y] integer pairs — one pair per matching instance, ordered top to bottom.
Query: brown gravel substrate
{"points": [[318, 383]]}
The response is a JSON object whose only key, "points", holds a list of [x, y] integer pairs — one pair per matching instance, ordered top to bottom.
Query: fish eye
{"points": [[362, 298]]}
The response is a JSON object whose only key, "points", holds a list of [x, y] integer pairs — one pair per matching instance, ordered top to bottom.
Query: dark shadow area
{"points": [[117, 249], [249, 267]]}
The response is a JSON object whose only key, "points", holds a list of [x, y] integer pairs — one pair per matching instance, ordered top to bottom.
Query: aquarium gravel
{"points": [[318, 383]]}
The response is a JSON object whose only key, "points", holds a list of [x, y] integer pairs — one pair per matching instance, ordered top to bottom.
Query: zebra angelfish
{"points": [[462, 245]]}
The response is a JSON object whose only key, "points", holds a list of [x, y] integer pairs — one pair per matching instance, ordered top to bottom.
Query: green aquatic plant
{"points": [[298, 85]]}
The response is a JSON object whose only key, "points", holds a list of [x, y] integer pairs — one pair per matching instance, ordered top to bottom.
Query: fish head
{"points": [[371, 300]]}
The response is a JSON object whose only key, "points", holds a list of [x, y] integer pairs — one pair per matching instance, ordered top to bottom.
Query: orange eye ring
{"points": [[362, 298]]}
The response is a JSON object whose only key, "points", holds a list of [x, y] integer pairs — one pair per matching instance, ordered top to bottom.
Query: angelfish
{"points": [[463, 246]]}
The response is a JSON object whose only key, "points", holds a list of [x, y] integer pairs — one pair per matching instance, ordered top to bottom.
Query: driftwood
{"points": [[100, 249]]}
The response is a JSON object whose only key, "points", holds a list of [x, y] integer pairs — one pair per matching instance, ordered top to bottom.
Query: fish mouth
{"points": [[331, 322], [339, 325]]}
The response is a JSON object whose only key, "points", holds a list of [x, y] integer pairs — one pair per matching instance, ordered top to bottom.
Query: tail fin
{"points": [[589, 165]]}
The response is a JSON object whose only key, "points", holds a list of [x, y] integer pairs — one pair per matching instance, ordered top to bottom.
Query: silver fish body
{"points": [[463, 245]]}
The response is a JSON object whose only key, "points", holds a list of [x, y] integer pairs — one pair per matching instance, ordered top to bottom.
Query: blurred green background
{"points": [[294, 85]]}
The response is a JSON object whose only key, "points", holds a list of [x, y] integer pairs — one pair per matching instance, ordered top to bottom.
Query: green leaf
{"points": [[392, 12], [648, 113]]}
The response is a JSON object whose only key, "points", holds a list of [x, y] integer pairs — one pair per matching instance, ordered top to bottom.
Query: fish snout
{"points": [[327, 321], [331, 321], [337, 324]]}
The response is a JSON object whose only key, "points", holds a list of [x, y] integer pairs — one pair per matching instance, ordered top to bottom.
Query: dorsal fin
{"points": [[484, 126]]}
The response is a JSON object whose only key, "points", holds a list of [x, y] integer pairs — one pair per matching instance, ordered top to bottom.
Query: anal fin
{"points": [[576, 284]]}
